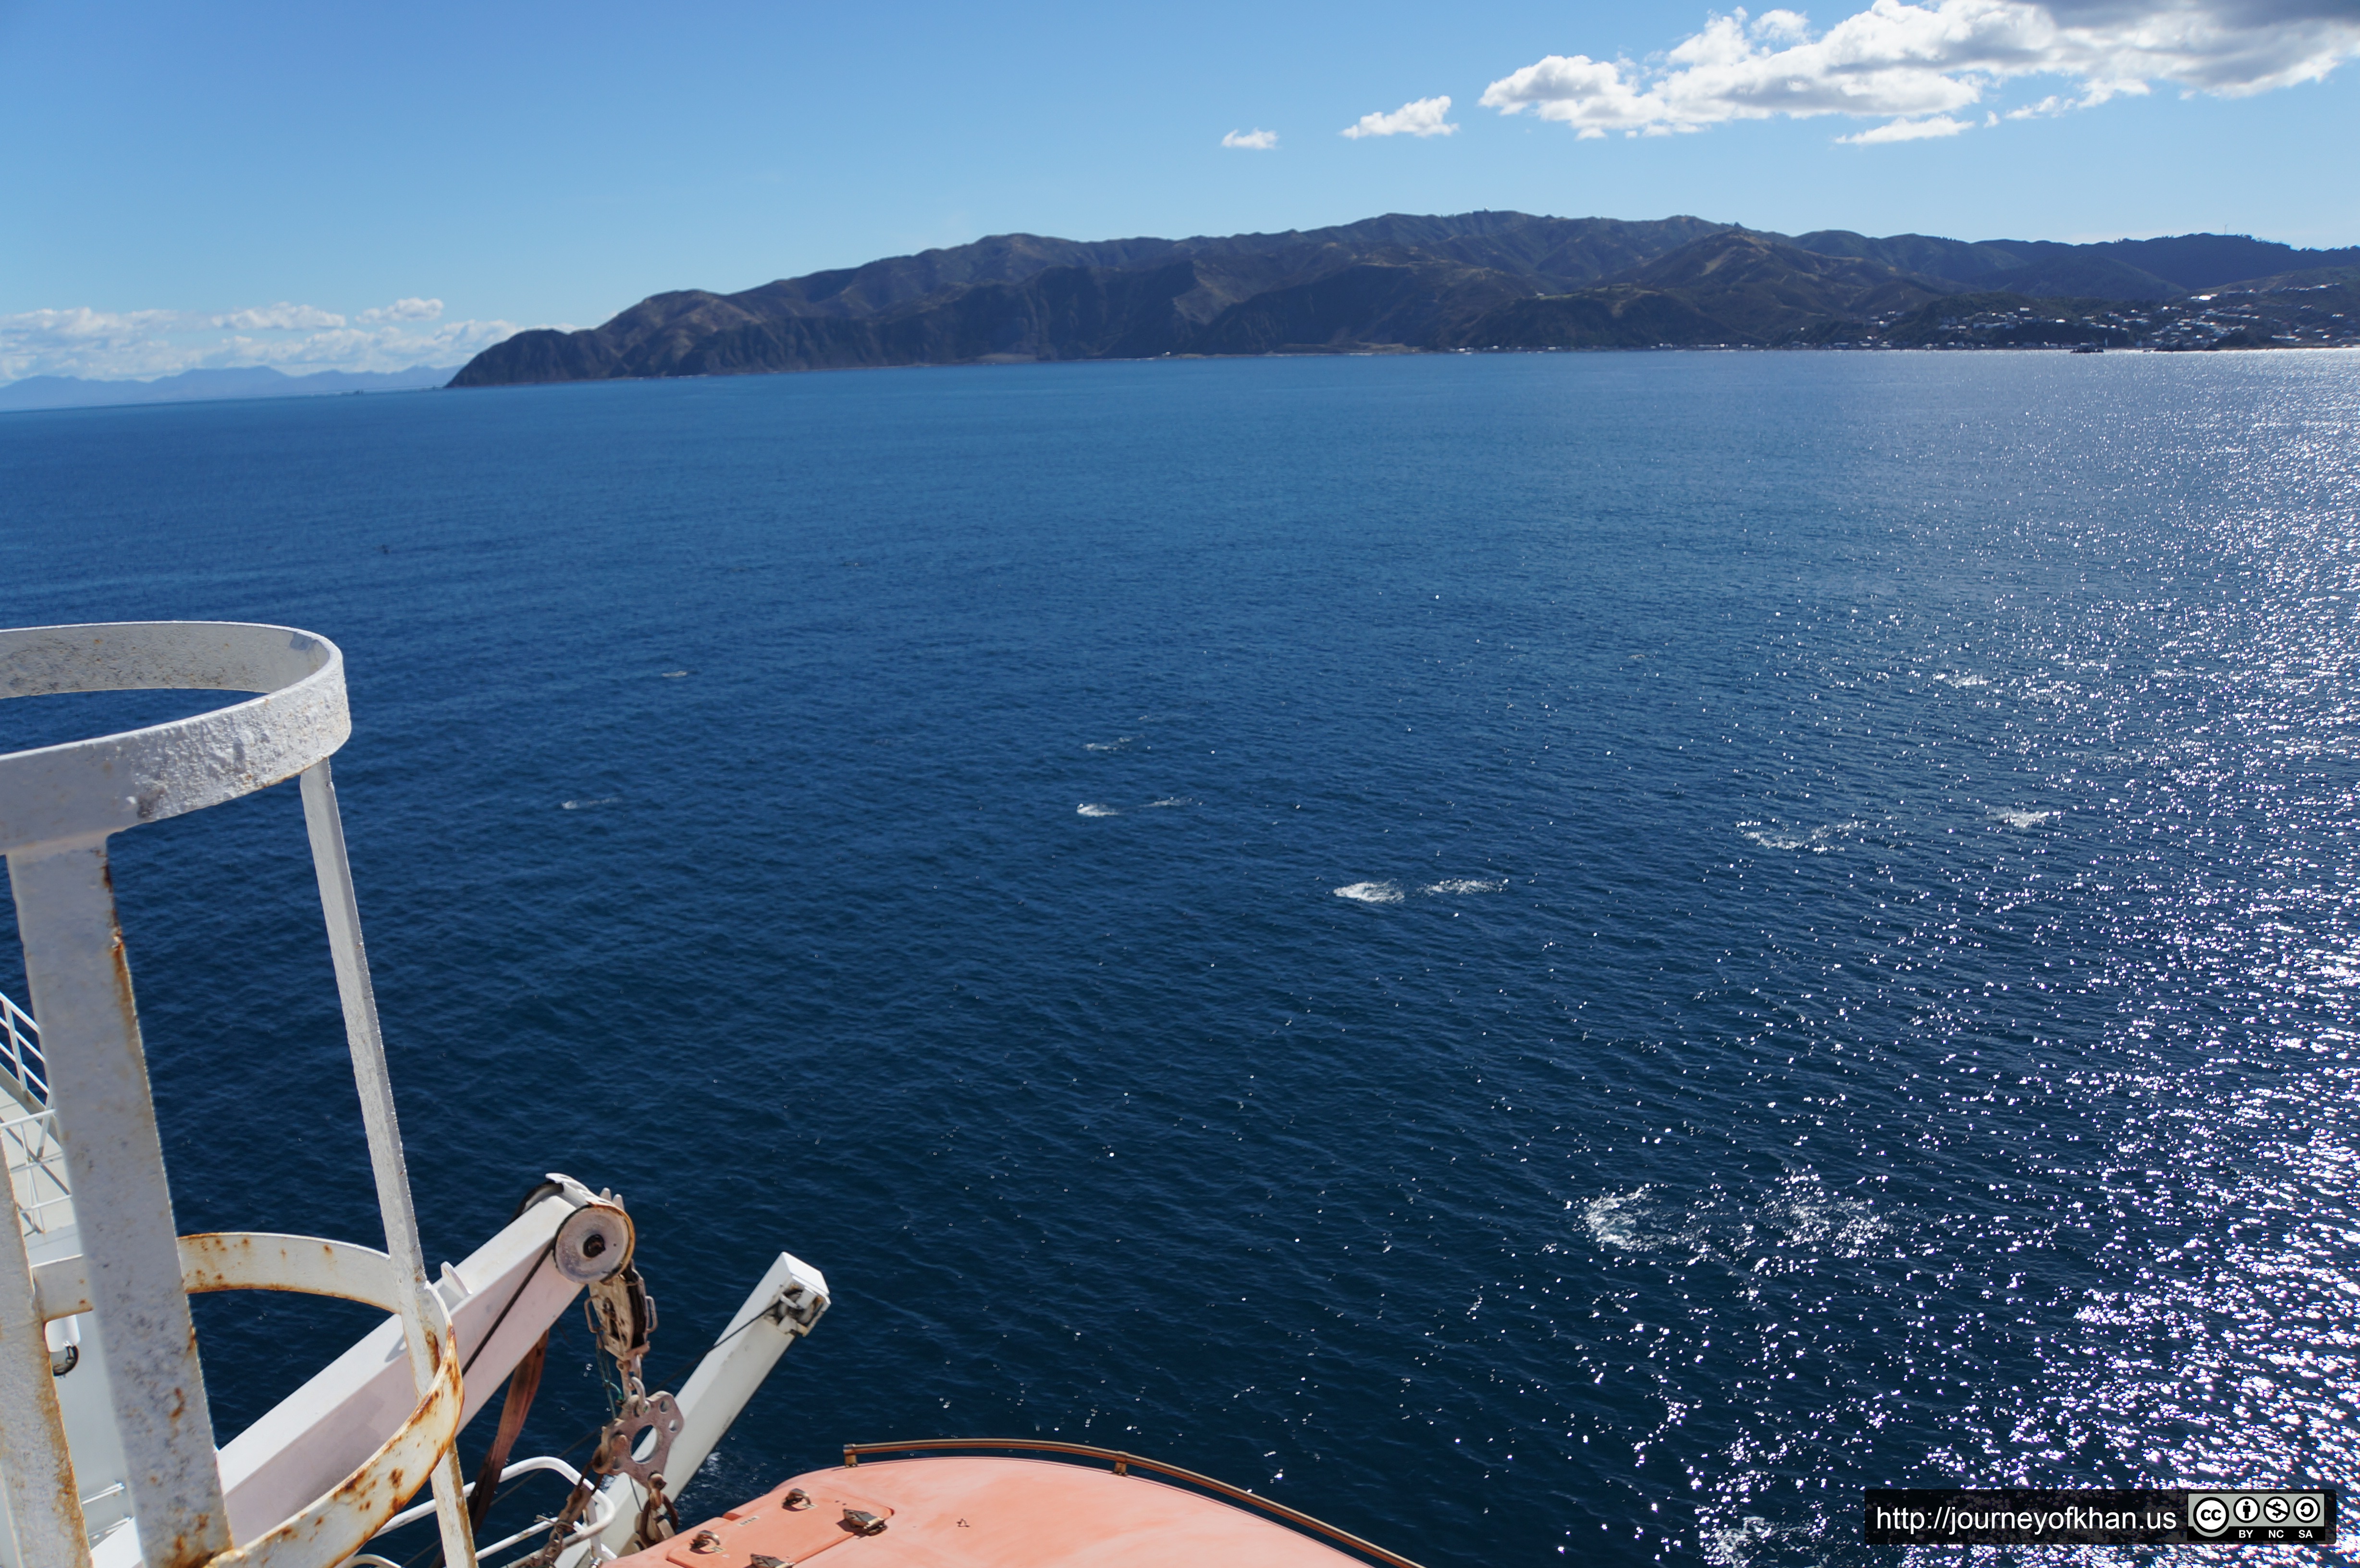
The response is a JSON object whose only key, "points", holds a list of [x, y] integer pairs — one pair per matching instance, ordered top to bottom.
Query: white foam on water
{"points": [[676, 674], [1960, 678], [1115, 745], [1169, 800], [586, 805], [1092, 809], [2026, 819], [1815, 839], [1468, 885], [1371, 892], [1805, 1214], [1800, 1216], [1618, 1220], [1639, 1221], [1728, 1545]]}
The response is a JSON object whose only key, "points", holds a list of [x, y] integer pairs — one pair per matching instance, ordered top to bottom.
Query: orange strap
{"points": [[523, 1383]]}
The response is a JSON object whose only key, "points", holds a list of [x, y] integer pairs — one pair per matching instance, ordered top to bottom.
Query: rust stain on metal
{"points": [[121, 963], [357, 1486], [68, 1505], [183, 1554]]}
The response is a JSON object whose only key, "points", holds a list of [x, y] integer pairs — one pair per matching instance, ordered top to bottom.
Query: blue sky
{"points": [[372, 185]]}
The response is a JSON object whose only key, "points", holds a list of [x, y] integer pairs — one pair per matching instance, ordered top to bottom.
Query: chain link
{"points": [[622, 1320]]}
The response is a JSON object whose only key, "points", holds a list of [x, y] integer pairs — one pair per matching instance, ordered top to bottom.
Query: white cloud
{"points": [[1916, 64], [1422, 118], [1908, 130], [1260, 141], [402, 310], [281, 317], [93, 328], [142, 344]]}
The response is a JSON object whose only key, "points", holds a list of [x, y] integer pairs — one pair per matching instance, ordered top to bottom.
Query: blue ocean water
{"points": [[1557, 956]]}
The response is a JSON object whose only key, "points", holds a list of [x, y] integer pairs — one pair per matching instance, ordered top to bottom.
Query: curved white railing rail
{"points": [[602, 1508], [341, 1522]]}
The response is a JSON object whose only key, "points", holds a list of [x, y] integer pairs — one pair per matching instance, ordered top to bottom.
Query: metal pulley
{"points": [[594, 1243], [622, 1317]]}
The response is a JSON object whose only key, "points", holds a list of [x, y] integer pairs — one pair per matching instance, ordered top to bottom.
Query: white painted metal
{"points": [[85, 791], [58, 806], [20, 1041], [366, 1042], [98, 1084], [35, 1155], [49, 1234], [93, 1255], [231, 1260], [61, 1288], [781, 1309], [311, 1438], [308, 1443], [36, 1471], [44, 1504], [602, 1508], [339, 1522], [335, 1523]]}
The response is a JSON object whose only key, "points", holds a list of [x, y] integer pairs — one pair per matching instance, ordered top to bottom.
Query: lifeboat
{"points": [[957, 1503]]}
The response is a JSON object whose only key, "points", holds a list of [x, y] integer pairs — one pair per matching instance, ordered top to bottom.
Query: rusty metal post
{"points": [[342, 907], [98, 1084], [43, 1501]]}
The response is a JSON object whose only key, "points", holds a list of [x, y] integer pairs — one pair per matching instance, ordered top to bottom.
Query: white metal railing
{"points": [[20, 1051], [36, 1159], [37, 1172], [602, 1512]]}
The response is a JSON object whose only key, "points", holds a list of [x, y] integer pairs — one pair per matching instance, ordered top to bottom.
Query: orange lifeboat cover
{"points": [[986, 1513]]}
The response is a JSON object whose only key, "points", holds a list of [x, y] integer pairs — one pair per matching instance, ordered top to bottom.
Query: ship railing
{"points": [[20, 1052], [37, 1172], [602, 1505]]}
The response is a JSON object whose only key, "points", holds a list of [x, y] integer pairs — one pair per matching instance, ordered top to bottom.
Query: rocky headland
{"points": [[1473, 281]]}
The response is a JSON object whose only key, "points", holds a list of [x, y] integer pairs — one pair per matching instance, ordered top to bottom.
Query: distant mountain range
{"points": [[1475, 280], [207, 385]]}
